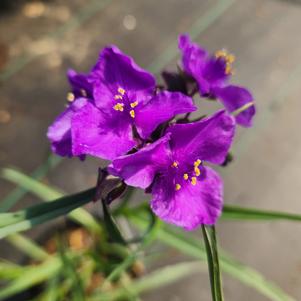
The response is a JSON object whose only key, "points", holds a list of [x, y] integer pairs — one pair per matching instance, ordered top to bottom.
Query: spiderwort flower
{"points": [[212, 73], [123, 99], [185, 191]]}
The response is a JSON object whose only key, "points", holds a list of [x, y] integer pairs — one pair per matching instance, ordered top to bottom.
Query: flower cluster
{"points": [[117, 112]]}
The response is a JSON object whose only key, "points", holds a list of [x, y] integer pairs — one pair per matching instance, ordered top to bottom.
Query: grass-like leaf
{"points": [[231, 212], [38, 214], [188, 245], [213, 262]]}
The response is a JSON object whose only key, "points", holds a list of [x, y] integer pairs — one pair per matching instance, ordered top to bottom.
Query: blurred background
{"points": [[39, 41]]}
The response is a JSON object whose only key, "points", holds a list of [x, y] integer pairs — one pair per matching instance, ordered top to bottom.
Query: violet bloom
{"points": [[212, 73], [123, 102], [59, 133], [185, 192]]}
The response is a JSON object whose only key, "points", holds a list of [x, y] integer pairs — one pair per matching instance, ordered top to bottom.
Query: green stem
{"points": [[213, 262]]}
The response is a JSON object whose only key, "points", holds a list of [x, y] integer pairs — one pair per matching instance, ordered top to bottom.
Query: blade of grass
{"points": [[48, 193], [11, 199], [231, 212], [35, 215], [146, 240], [189, 246], [28, 247], [192, 247], [213, 262], [10, 270], [32, 276], [156, 279]]}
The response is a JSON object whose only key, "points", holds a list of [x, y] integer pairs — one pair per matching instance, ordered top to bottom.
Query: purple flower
{"points": [[212, 73], [120, 99], [185, 192]]}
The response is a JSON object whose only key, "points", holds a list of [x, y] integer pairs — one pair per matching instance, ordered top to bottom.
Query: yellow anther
{"points": [[228, 57], [121, 91], [83, 92], [70, 97], [117, 97], [134, 104], [118, 107], [132, 113], [197, 163], [175, 164], [197, 171], [185, 176], [193, 180], [178, 187]]}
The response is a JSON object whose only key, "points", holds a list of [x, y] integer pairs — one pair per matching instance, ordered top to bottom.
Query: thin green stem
{"points": [[213, 262]]}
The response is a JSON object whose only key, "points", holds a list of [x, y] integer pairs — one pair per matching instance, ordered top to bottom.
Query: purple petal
{"points": [[193, 56], [115, 69], [213, 75], [79, 83], [233, 98], [161, 108], [59, 133], [94, 133], [208, 139], [139, 169], [192, 205]]}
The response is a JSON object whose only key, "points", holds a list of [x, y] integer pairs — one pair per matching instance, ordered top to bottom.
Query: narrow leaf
{"points": [[239, 213], [38, 214], [111, 226], [192, 247], [213, 262], [154, 280]]}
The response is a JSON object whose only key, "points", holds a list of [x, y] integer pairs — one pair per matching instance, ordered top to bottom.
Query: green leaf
{"points": [[48, 193], [11, 199], [239, 213], [38, 214], [111, 226], [147, 238], [28, 246], [192, 247], [213, 262], [10, 270], [31, 276], [156, 279]]}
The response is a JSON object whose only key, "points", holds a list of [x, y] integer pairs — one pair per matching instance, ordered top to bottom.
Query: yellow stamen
{"points": [[228, 57], [121, 91], [83, 92], [70, 97], [117, 97], [134, 104], [118, 107], [132, 113], [197, 163], [175, 164], [197, 171], [185, 176], [193, 180], [178, 187]]}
